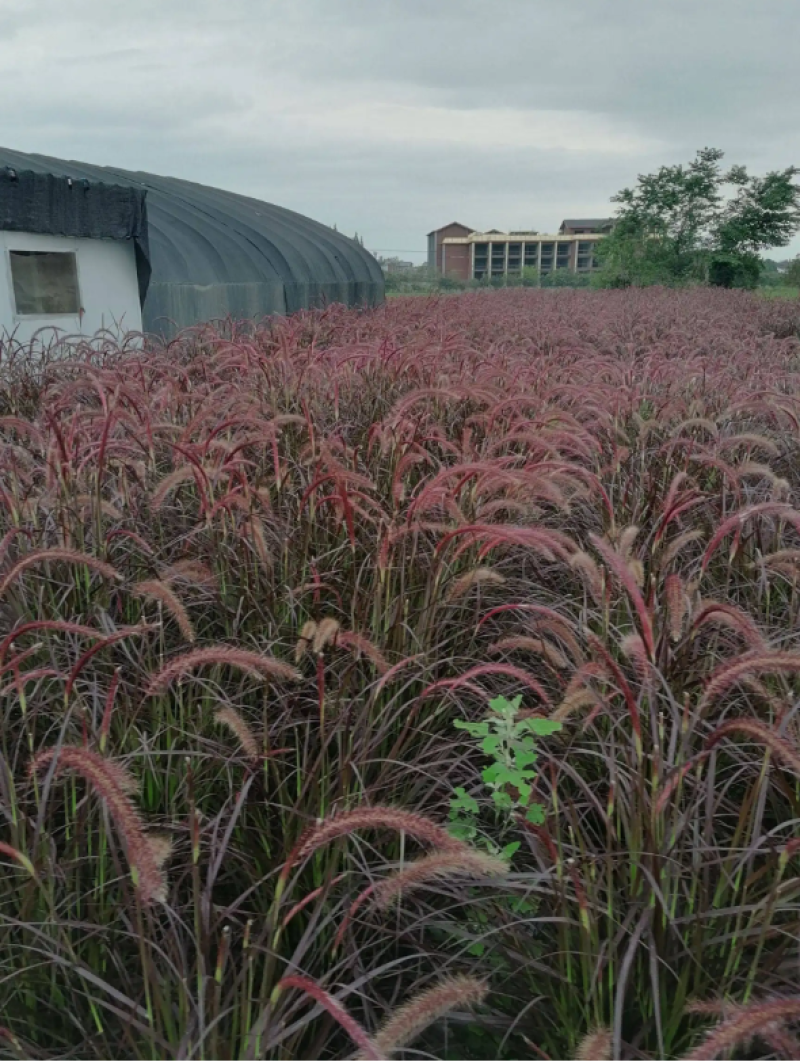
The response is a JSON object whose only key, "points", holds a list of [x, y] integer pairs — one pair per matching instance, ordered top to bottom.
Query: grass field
{"points": [[784, 291], [257, 591]]}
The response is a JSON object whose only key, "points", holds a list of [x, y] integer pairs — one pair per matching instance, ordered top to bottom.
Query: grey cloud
{"points": [[238, 95]]}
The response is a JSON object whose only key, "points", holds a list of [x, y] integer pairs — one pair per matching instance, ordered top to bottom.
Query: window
{"points": [[531, 254], [498, 259], [481, 260], [45, 282]]}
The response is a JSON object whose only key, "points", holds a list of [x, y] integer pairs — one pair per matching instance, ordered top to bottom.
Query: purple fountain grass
{"points": [[424, 480], [66, 556], [481, 576], [160, 591], [778, 662], [259, 665], [241, 730], [781, 748], [112, 784], [375, 817], [438, 866], [406, 1023], [742, 1024], [357, 1034], [595, 1046]]}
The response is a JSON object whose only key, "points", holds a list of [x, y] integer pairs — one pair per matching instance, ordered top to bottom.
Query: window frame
{"points": [[71, 249]]}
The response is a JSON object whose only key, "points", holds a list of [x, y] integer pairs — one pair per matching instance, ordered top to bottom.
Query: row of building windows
{"points": [[501, 259]]}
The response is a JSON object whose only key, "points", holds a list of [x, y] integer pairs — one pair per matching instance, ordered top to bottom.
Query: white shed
{"points": [[73, 256]]}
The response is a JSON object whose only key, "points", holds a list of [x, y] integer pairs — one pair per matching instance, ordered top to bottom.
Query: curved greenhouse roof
{"points": [[214, 253]]}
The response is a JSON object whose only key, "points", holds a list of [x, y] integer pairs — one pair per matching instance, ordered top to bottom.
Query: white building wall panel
{"points": [[107, 283]]}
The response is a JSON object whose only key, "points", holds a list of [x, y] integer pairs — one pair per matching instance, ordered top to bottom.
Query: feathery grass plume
{"points": [[751, 440], [755, 468], [168, 484], [89, 501], [740, 518], [254, 526], [625, 541], [676, 546], [68, 556], [786, 561], [586, 565], [619, 567], [636, 568], [189, 571], [481, 576], [160, 591], [675, 595], [724, 614], [62, 626], [307, 632], [324, 634], [359, 643], [539, 646], [634, 649], [259, 665], [510, 670], [730, 672], [581, 697], [232, 719], [780, 747], [676, 778], [111, 783], [376, 817], [160, 847], [18, 857], [438, 866], [406, 1023], [742, 1024], [781, 1041], [595, 1046], [369, 1049]]}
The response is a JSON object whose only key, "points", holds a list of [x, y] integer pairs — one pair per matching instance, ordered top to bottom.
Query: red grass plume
{"points": [[68, 556], [620, 568], [481, 576], [160, 591], [675, 594], [358, 643], [259, 665], [731, 672], [232, 719], [782, 749], [112, 784], [377, 817], [438, 866], [744, 1023], [405, 1024], [356, 1033], [595, 1046]]}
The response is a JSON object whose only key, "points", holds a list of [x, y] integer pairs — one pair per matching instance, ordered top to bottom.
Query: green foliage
{"points": [[678, 226], [792, 275], [508, 742]]}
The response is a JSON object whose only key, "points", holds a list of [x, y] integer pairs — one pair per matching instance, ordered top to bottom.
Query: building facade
{"points": [[201, 254], [463, 254], [74, 256]]}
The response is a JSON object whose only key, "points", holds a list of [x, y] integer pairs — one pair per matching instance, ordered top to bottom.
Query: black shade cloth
{"points": [[44, 203], [216, 254]]}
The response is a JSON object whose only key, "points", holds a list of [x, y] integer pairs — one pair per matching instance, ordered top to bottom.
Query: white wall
{"points": [[107, 282]]}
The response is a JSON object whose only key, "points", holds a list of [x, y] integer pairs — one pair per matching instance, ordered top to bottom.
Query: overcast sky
{"points": [[393, 118]]}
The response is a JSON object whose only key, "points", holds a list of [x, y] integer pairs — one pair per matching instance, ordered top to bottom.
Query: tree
{"points": [[699, 223], [792, 274]]}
